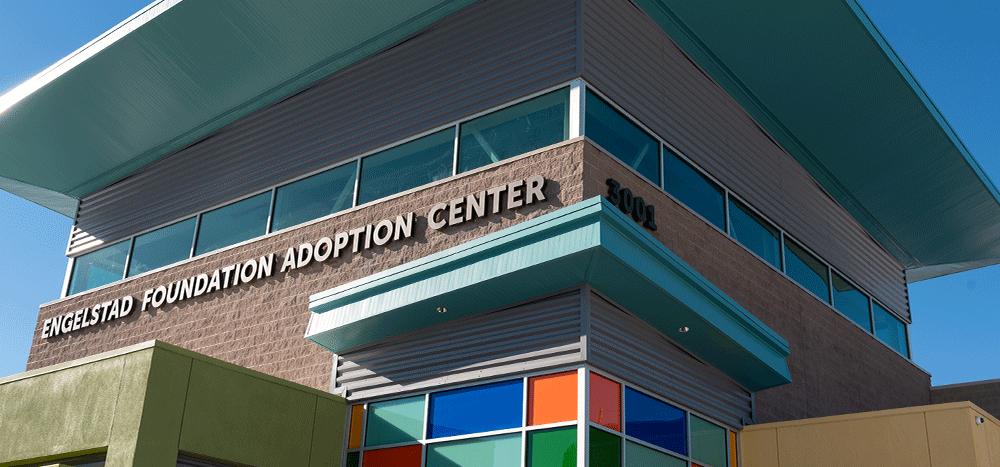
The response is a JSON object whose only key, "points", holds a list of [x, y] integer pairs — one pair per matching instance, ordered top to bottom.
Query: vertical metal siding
{"points": [[482, 56], [632, 60], [529, 337], [628, 347]]}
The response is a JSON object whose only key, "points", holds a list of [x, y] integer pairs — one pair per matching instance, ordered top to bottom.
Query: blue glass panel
{"points": [[518, 129], [623, 139], [406, 166], [694, 190], [314, 197], [233, 223], [754, 233], [161, 247], [99, 267], [805, 269], [851, 302], [890, 329], [477, 409], [655, 422]]}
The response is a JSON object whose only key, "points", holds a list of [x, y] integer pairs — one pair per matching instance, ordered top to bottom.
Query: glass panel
{"points": [[503, 134], [620, 137], [406, 166], [694, 190], [314, 197], [234, 223], [753, 232], [161, 247], [99, 267], [805, 269], [851, 302], [890, 329], [552, 398], [605, 402], [477, 409], [357, 416], [395, 421], [655, 422], [708, 442], [552, 448], [605, 449], [495, 451], [637, 455], [405, 456], [353, 459], [734, 460]]}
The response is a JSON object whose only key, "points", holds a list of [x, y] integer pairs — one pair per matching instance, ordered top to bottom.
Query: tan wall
{"points": [[985, 394], [945, 435]]}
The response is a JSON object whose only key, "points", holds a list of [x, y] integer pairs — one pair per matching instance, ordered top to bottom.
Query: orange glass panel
{"points": [[552, 398], [605, 402], [357, 417], [404, 456], [734, 460]]}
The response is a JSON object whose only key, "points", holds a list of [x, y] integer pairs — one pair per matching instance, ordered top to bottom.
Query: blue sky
{"points": [[952, 47]]}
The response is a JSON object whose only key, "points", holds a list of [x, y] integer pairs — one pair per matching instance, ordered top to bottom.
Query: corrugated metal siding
{"points": [[484, 55], [628, 57], [530, 337], [628, 347]]}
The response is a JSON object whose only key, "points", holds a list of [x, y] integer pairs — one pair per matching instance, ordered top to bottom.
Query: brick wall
{"points": [[985, 394]]}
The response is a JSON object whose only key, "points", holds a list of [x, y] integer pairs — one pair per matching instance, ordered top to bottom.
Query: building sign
{"points": [[485, 203], [635, 206]]}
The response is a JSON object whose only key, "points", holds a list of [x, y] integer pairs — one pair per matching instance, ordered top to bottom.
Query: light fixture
{"points": [[441, 309], [683, 329]]}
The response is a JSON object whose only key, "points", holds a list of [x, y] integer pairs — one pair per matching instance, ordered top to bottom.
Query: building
{"points": [[561, 232]]}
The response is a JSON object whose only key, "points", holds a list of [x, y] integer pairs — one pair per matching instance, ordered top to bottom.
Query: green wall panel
{"points": [[395, 421], [328, 433], [552, 448], [494, 451], [637, 455]]}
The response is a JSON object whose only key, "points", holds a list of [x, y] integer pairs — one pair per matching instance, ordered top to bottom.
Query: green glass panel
{"points": [[518, 129], [623, 139], [406, 166], [694, 190], [314, 197], [233, 223], [753, 232], [161, 247], [99, 267], [805, 269], [851, 302], [890, 329], [395, 421], [708, 442], [552, 448], [605, 449], [495, 451], [637, 455], [353, 459]]}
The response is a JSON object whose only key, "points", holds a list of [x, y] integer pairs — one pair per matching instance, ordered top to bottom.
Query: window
{"points": [[518, 129], [623, 139], [406, 166], [694, 190], [314, 197], [232, 224], [753, 232], [161, 247], [99, 267], [805, 269], [851, 302], [890, 329], [464, 411], [395, 421], [655, 422], [708, 442], [552, 448], [493, 451]]}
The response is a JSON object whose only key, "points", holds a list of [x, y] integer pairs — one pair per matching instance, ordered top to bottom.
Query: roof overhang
{"points": [[175, 72], [821, 79], [590, 242]]}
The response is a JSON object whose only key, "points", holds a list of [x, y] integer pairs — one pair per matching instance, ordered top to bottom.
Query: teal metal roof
{"points": [[175, 72], [821, 79], [590, 242]]}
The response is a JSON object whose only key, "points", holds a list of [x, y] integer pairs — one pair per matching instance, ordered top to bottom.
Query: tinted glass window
{"points": [[518, 129], [622, 138], [406, 166], [694, 190], [314, 197], [234, 223], [754, 233], [161, 247], [99, 267], [805, 269], [850, 301], [890, 329], [477, 409], [395, 421], [655, 422], [708, 442], [552, 448], [605, 449], [494, 451], [637, 455]]}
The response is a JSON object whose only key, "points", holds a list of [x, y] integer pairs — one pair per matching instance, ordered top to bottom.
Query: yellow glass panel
{"points": [[357, 417]]}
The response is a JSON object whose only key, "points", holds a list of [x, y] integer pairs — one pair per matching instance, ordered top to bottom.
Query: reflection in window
{"points": [[503, 134], [622, 138], [406, 166], [694, 190], [314, 197], [233, 223], [754, 233], [161, 247], [99, 267], [805, 269], [851, 302], [890, 329], [462, 411], [395, 421], [655, 422], [494, 451]]}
